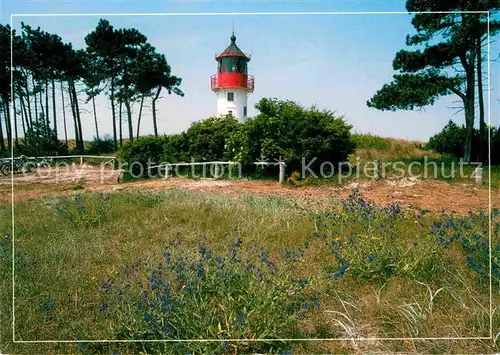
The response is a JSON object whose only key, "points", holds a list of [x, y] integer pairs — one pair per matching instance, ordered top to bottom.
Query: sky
{"points": [[335, 61]]}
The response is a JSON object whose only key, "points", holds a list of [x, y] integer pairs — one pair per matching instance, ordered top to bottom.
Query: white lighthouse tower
{"points": [[232, 84]]}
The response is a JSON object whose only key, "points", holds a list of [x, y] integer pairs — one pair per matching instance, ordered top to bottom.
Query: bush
{"points": [[282, 129], [285, 129], [207, 139], [451, 141], [102, 145], [176, 148], [142, 153]]}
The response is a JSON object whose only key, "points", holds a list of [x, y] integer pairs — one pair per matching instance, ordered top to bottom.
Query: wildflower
{"points": [[237, 243], [306, 244], [415, 244], [203, 250], [168, 257], [371, 257], [219, 262], [201, 270], [106, 286], [315, 303], [47, 305], [103, 307], [240, 320]]}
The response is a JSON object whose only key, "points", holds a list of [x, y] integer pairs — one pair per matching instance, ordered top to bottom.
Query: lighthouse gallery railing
{"points": [[214, 82]]}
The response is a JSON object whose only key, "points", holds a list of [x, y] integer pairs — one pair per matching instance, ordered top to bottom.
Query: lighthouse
{"points": [[232, 84]]}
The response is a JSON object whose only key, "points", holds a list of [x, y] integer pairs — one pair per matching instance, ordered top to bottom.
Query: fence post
{"points": [[81, 160], [167, 168], [216, 171], [282, 173], [479, 176]]}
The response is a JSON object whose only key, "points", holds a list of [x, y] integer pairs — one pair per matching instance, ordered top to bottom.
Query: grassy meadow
{"points": [[178, 265]]}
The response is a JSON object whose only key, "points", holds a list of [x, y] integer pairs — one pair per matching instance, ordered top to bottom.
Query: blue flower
{"points": [[371, 257], [314, 303], [240, 320]]}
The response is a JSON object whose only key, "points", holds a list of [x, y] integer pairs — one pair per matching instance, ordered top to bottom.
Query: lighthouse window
{"points": [[233, 65], [230, 96], [244, 110]]}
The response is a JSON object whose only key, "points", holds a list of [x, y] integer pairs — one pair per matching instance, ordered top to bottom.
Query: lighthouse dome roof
{"points": [[233, 51]]}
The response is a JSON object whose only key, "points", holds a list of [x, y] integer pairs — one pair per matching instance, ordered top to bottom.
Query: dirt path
{"points": [[431, 194]]}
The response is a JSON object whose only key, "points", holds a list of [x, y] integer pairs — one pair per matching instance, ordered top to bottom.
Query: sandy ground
{"points": [[431, 194]]}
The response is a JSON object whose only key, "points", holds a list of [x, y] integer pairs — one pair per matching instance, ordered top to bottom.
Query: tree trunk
{"points": [[28, 102], [36, 102], [469, 103], [47, 104], [41, 105], [54, 106], [23, 107], [154, 110], [73, 111], [113, 113], [64, 114], [129, 116], [22, 117], [78, 117], [139, 118], [95, 119], [120, 122], [8, 127], [16, 137], [483, 139]]}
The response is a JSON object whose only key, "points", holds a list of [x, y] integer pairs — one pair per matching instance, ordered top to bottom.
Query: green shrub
{"points": [[282, 129], [285, 129], [207, 139], [451, 140], [104, 144], [176, 148], [142, 153]]}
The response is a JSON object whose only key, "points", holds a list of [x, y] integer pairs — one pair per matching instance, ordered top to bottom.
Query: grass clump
{"points": [[236, 293]]}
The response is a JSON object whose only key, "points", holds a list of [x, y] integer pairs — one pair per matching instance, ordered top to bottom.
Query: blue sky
{"points": [[336, 62]]}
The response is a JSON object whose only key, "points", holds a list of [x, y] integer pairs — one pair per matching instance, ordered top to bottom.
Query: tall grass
{"points": [[370, 147], [178, 265]]}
